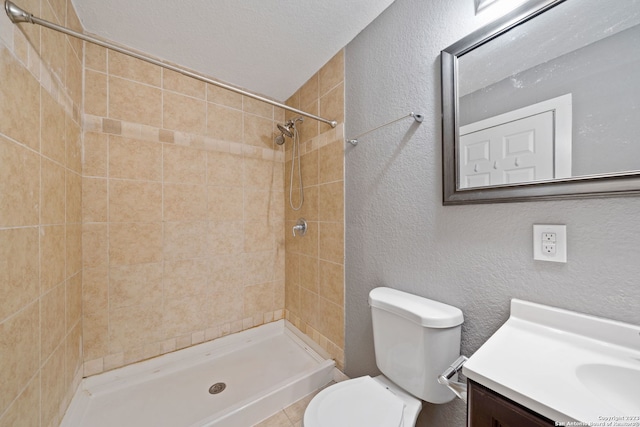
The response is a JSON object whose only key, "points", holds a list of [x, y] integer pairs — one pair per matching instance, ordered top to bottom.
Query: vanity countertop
{"points": [[564, 365]]}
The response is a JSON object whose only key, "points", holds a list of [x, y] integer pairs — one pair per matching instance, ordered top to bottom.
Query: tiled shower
{"points": [[144, 212]]}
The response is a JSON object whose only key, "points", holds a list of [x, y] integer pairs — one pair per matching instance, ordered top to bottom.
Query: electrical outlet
{"points": [[550, 243]]}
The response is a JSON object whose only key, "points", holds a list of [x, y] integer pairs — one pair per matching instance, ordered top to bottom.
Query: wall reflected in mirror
{"points": [[554, 98]]}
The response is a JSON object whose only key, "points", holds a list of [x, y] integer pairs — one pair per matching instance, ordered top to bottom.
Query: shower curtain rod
{"points": [[18, 15]]}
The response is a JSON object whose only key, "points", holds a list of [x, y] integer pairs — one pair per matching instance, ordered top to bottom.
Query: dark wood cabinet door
{"points": [[487, 408]]}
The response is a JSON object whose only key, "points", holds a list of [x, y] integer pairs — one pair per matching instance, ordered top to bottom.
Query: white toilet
{"points": [[415, 340]]}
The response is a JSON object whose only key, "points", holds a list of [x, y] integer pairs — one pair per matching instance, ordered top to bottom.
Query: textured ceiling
{"points": [[271, 47]]}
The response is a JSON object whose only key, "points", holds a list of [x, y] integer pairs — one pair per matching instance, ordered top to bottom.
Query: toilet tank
{"points": [[415, 339]]}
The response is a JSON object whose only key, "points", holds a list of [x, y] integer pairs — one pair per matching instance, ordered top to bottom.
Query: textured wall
{"points": [[183, 212], [40, 218], [477, 258], [314, 278]]}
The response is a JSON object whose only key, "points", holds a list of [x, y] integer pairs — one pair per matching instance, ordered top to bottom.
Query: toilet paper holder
{"points": [[460, 389]]}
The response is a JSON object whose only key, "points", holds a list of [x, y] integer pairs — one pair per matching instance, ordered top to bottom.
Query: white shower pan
{"points": [[264, 370]]}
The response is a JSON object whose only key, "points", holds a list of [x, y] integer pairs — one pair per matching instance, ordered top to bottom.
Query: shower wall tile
{"points": [[52, 48], [95, 57], [133, 69], [331, 74], [177, 82], [309, 91], [95, 93], [224, 97], [332, 105], [145, 107], [258, 108], [184, 113], [224, 123], [20, 124], [309, 128], [53, 129], [258, 131], [74, 145], [96, 150], [134, 159], [331, 162], [184, 165], [309, 167], [224, 169], [19, 186], [73, 194], [52, 198], [94, 200], [135, 201], [185, 202], [331, 202], [225, 205], [40, 219], [185, 240], [331, 242], [135, 243], [73, 245], [95, 245], [177, 249], [52, 256], [314, 265], [225, 272], [309, 273], [19, 277], [186, 278], [332, 282], [134, 284], [259, 299], [73, 300], [51, 323], [135, 324], [19, 345], [53, 386], [26, 408]]}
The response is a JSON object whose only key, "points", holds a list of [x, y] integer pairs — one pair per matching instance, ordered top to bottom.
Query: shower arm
{"points": [[18, 15]]}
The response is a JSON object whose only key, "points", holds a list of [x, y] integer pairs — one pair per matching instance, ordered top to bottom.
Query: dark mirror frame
{"points": [[606, 185]]}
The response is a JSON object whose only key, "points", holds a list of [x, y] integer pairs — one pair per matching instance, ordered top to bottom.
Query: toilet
{"points": [[415, 340]]}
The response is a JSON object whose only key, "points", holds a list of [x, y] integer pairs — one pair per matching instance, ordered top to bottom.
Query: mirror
{"points": [[544, 104]]}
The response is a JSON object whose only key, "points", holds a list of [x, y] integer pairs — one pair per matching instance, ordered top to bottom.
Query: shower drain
{"points": [[217, 388]]}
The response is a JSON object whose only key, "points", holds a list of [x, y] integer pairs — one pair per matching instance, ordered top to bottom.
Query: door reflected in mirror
{"points": [[550, 93]]}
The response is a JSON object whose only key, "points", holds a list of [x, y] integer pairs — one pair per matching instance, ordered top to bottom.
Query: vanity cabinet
{"points": [[487, 408]]}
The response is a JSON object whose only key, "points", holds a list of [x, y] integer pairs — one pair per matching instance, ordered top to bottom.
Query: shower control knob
{"points": [[300, 227]]}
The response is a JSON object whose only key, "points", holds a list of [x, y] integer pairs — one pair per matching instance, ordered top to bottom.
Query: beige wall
{"points": [[183, 216], [40, 218], [315, 262]]}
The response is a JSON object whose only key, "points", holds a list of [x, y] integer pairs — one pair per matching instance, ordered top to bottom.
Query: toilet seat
{"points": [[362, 401]]}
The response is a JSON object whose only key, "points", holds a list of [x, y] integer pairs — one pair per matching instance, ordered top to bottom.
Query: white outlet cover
{"points": [[561, 242]]}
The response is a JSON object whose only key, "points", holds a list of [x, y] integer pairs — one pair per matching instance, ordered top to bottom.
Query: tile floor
{"points": [[291, 416]]}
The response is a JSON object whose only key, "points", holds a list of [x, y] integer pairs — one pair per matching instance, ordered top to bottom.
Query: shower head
{"points": [[287, 129], [279, 139]]}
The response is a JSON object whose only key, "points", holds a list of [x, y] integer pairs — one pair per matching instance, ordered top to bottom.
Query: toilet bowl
{"points": [[414, 340], [363, 401]]}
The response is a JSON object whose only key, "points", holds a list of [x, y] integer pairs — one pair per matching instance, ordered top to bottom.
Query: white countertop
{"points": [[566, 366]]}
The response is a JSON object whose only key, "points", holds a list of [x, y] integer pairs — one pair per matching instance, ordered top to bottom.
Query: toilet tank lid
{"points": [[423, 311]]}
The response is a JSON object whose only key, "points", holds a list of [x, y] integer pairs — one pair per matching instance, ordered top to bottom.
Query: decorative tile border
{"points": [[138, 131]]}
